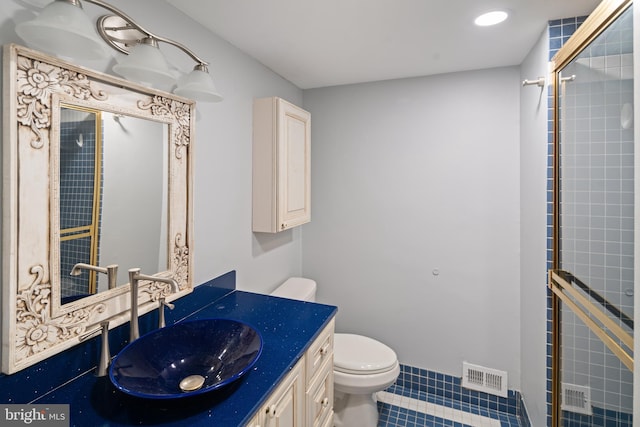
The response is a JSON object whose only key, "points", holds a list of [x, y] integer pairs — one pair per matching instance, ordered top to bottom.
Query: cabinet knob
{"points": [[283, 226], [325, 349], [325, 402], [271, 411]]}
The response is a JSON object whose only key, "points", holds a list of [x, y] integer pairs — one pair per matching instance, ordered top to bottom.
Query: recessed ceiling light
{"points": [[491, 18]]}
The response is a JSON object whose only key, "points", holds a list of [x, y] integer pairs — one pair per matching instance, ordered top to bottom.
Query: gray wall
{"points": [[134, 175], [410, 178], [533, 231]]}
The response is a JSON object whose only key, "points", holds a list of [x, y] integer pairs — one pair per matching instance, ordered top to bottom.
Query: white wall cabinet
{"points": [[281, 165], [305, 397]]}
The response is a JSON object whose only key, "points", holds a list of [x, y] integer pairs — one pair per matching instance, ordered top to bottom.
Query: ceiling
{"points": [[334, 42]]}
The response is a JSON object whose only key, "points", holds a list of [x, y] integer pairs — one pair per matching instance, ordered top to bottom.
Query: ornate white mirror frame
{"points": [[35, 325]]}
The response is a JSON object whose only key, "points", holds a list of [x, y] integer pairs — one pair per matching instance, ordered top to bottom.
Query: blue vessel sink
{"points": [[186, 359]]}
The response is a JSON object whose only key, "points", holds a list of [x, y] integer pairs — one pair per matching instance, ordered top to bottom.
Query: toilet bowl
{"points": [[362, 366]]}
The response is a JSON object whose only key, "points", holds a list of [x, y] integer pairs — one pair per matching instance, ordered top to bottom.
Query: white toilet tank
{"points": [[299, 288]]}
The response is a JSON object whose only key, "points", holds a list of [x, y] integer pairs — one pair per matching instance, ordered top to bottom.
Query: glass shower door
{"points": [[593, 276]]}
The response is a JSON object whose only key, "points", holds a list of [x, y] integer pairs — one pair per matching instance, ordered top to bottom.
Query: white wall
{"points": [[411, 176], [222, 193], [533, 231]]}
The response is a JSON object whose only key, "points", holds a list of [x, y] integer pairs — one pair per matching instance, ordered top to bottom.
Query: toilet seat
{"points": [[360, 355]]}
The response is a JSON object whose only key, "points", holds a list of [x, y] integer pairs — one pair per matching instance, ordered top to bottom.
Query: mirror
{"points": [[101, 154], [138, 200]]}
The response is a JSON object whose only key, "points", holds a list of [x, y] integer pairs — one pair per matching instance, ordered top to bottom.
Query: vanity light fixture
{"points": [[491, 18], [63, 29]]}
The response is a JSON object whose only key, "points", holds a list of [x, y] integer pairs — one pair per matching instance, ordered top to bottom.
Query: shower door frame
{"points": [[599, 20]]}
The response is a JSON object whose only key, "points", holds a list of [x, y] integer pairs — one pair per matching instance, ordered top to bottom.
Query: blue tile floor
{"points": [[406, 407]]}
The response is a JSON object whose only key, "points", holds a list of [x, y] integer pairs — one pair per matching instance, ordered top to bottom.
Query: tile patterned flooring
{"points": [[407, 407]]}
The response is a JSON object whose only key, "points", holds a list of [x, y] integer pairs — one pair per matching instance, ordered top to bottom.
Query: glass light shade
{"points": [[491, 18], [63, 29], [145, 64], [198, 85]]}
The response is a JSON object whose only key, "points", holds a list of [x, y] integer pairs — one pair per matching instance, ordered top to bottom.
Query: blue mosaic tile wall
{"points": [[560, 31], [77, 164], [450, 387], [600, 417]]}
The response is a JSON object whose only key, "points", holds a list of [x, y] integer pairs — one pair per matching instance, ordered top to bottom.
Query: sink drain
{"points": [[191, 383]]}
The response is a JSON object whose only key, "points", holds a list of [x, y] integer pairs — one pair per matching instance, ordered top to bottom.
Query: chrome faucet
{"points": [[111, 271], [134, 277]]}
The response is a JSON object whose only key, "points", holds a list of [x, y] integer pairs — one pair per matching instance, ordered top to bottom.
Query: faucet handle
{"points": [[163, 304], [167, 304]]}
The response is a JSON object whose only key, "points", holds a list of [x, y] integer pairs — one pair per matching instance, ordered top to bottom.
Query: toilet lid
{"points": [[356, 354]]}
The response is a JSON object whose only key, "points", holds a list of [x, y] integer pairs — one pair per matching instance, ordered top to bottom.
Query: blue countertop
{"points": [[288, 327]]}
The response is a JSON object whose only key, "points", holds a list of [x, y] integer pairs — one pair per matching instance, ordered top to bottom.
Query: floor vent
{"points": [[484, 379], [576, 398]]}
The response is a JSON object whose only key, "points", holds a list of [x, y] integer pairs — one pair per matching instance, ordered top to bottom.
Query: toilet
{"points": [[362, 366]]}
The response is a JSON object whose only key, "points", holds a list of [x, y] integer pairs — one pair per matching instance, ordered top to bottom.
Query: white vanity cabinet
{"points": [[281, 165], [319, 373], [305, 397], [285, 407]]}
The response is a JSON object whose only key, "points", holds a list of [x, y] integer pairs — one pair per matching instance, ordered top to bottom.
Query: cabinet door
{"points": [[294, 136], [281, 179], [320, 351], [320, 397], [285, 407], [255, 422]]}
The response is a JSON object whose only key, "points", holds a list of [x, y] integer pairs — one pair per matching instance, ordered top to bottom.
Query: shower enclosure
{"points": [[80, 183], [592, 280]]}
